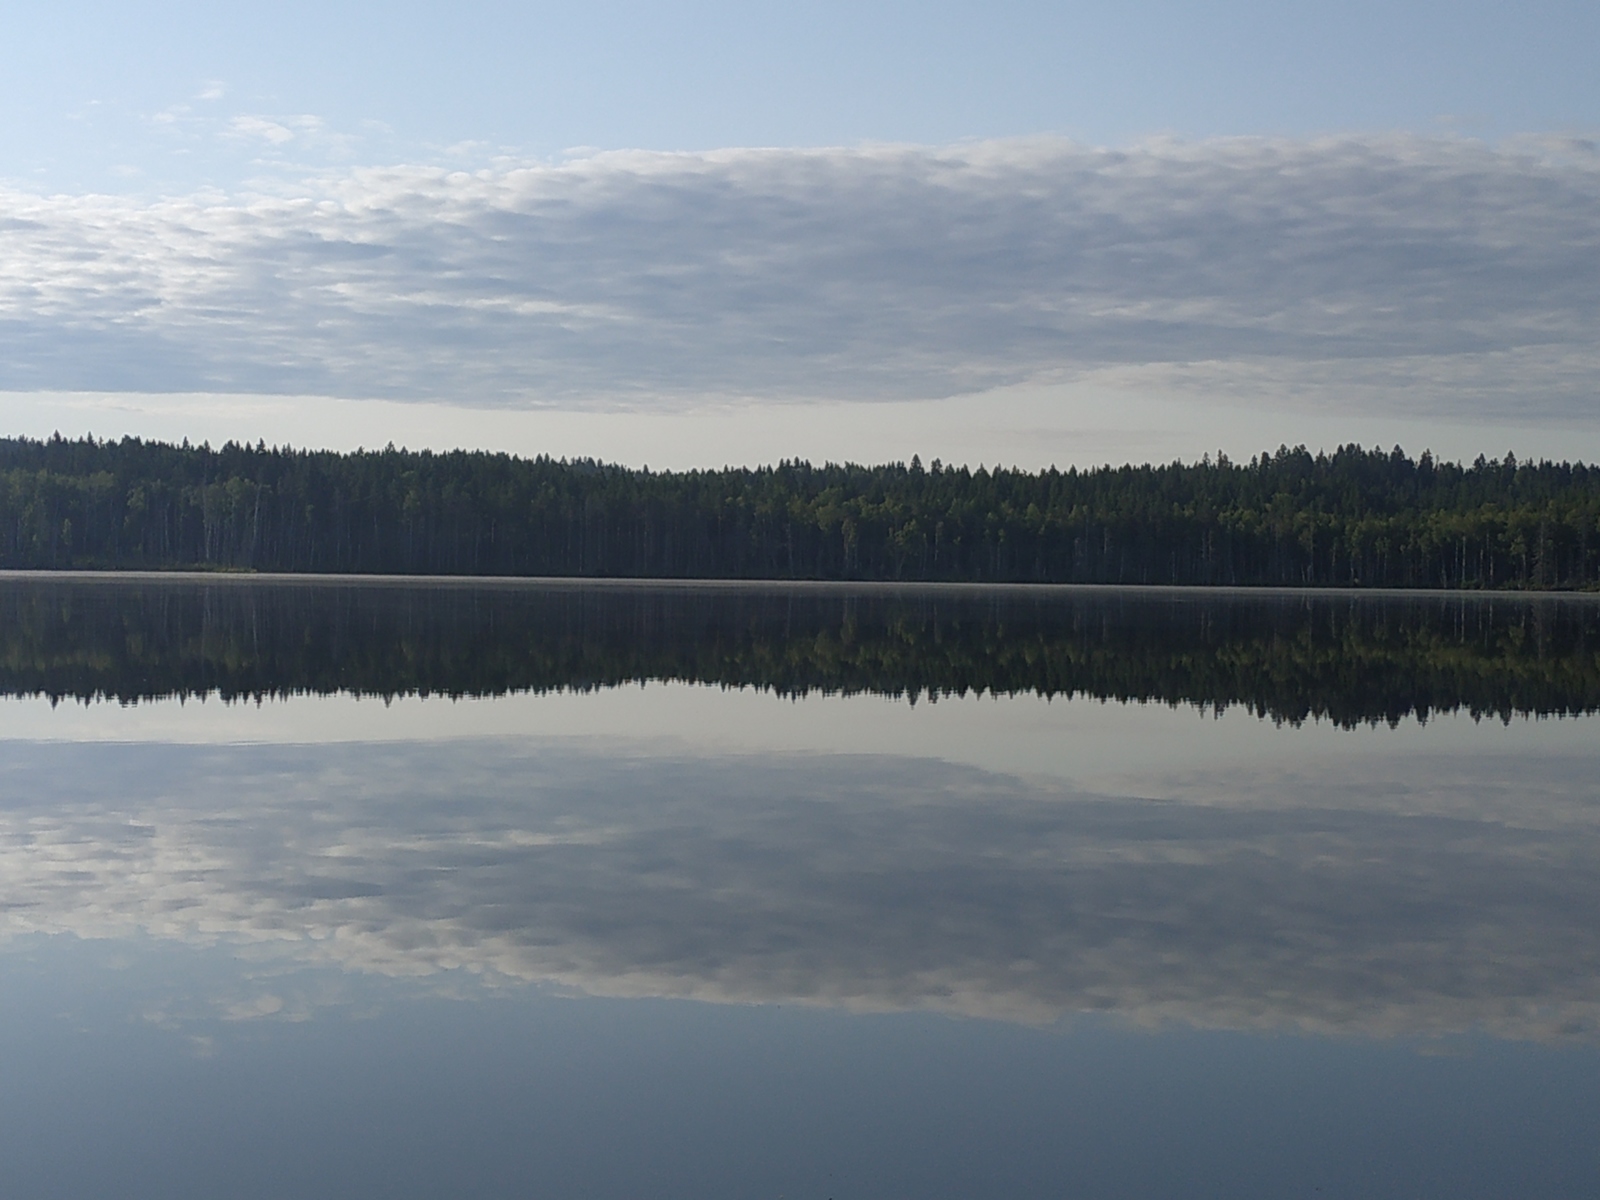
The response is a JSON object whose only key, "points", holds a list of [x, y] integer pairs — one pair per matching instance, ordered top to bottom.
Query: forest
{"points": [[1354, 518]]}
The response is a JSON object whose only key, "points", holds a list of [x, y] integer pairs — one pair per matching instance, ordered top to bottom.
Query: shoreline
{"points": [[823, 586]]}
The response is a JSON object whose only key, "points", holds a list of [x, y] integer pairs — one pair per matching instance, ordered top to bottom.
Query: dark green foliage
{"points": [[1353, 518], [1349, 659]]}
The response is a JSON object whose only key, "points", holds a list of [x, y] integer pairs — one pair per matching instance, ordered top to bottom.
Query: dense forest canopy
{"points": [[1352, 518], [1350, 658]]}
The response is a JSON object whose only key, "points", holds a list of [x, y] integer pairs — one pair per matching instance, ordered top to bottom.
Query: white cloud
{"points": [[260, 127], [1456, 275]]}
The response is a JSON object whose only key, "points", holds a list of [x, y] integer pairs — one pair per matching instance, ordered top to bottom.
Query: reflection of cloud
{"points": [[1445, 267], [865, 882]]}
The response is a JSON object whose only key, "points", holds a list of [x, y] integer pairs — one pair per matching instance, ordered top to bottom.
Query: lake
{"points": [[398, 889]]}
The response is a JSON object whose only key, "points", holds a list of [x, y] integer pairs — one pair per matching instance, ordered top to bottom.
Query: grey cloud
{"points": [[1460, 271], [865, 882]]}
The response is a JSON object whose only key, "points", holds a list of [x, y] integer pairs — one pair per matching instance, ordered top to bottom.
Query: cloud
{"points": [[260, 127], [1424, 274], [1378, 904]]}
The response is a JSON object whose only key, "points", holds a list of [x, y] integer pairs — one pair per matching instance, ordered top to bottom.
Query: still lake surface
{"points": [[406, 890]]}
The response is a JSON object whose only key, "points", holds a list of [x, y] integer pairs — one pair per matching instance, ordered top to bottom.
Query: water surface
{"points": [[403, 890]]}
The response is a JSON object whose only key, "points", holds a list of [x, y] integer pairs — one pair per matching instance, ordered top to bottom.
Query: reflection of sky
{"points": [[1372, 881], [412, 1097]]}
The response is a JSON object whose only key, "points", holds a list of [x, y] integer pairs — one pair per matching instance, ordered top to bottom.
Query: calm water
{"points": [[393, 891]]}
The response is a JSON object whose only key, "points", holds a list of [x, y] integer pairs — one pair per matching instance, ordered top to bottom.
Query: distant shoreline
{"points": [[1355, 519], [823, 586]]}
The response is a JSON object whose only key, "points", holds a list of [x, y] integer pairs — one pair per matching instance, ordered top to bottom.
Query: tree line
{"points": [[1356, 517], [1349, 659]]}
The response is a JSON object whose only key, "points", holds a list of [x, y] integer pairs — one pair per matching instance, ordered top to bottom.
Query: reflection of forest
{"points": [[1349, 658]]}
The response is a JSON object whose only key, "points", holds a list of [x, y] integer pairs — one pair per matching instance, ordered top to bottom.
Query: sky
{"points": [[698, 234]]}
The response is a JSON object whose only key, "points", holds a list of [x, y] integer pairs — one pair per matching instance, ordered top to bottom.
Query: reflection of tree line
{"points": [[1351, 518], [1351, 659]]}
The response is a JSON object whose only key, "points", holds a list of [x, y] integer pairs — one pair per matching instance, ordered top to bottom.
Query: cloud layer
{"points": [[1461, 272], [1421, 899]]}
